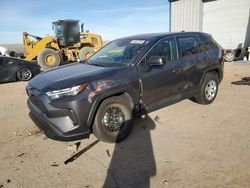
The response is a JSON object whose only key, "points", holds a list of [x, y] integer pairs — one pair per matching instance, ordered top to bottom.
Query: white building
{"points": [[227, 20]]}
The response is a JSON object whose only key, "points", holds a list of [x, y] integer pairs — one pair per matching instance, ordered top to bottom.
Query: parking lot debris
{"points": [[246, 78], [243, 81], [157, 118], [34, 132], [74, 147], [107, 151], [20, 155], [75, 156], [54, 164], [165, 182]]}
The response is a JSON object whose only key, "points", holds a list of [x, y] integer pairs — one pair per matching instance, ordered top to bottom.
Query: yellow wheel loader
{"points": [[68, 44]]}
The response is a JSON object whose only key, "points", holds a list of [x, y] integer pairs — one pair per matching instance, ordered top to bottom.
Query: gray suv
{"points": [[129, 77]]}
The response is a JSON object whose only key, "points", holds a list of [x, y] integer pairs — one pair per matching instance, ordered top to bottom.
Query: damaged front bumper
{"points": [[64, 123]]}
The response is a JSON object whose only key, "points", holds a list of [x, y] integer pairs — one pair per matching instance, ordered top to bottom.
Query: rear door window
{"points": [[188, 45]]}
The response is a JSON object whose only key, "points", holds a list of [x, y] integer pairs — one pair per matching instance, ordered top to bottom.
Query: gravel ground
{"points": [[183, 145]]}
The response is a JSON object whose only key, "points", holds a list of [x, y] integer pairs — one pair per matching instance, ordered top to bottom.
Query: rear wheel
{"points": [[85, 53], [48, 58], [24, 75], [208, 90], [113, 121]]}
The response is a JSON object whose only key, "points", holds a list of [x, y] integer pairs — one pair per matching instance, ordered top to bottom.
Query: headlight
{"points": [[71, 91]]}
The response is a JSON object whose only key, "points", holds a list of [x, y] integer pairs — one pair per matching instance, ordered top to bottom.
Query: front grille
{"points": [[36, 101]]}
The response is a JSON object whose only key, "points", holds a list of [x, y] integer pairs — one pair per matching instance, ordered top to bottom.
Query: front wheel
{"points": [[208, 90], [113, 121]]}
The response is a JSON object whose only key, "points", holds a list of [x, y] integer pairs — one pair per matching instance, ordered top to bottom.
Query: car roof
{"points": [[157, 36], [9, 57], [16, 59]]}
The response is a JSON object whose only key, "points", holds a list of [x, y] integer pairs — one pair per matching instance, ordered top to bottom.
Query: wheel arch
{"points": [[212, 71], [126, 95]]}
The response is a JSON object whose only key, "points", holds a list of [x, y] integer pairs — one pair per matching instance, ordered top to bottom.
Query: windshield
{"points": [[61, 28], [58, 29], [117, 53]]}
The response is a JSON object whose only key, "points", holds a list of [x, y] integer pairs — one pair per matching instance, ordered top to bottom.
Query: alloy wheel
{"points": [[24, 74], [210, 90]]}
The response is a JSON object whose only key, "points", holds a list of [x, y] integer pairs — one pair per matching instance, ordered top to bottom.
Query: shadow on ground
{"points": [[133, 162]]}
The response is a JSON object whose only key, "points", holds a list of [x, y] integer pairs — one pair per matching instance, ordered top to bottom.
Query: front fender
{"points": [[106, 93]]}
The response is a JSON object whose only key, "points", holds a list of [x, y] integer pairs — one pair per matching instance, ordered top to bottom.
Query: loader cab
{"points": [[67, 32]]}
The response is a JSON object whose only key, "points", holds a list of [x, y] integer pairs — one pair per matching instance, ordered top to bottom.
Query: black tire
{"points": [[85, 53], [12, 54], [239, 55], [229, 56], [48, 58], [24, 75], [203, 96], [101, 128]]}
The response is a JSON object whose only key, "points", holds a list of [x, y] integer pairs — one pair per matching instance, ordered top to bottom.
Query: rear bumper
{"points": [[51, 124]]}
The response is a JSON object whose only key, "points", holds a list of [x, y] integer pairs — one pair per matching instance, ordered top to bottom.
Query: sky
{"points": [[111, 18]]}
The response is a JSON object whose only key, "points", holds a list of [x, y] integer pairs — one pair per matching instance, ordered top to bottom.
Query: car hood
{"points": [[69, 76]]}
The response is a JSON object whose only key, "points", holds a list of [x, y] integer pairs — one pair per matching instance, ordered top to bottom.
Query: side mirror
{"points": [[156, 60]]}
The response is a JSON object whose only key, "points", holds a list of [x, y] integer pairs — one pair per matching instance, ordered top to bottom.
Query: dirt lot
{"points": [[187, 145]]}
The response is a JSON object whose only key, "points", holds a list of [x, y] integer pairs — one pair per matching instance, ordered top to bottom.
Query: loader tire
{"points": [[85, 53], [48, 58]]}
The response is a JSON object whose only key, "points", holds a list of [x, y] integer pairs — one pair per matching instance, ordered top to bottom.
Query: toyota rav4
{"points": [[127, 78]]}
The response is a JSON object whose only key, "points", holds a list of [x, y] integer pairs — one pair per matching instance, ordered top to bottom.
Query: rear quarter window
{"points": [[208, 42], [188, 45]]}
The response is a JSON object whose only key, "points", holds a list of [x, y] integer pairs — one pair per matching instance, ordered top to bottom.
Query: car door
{"points": [[194, 60], [3, 69], [8, 69], [161, 81]]}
